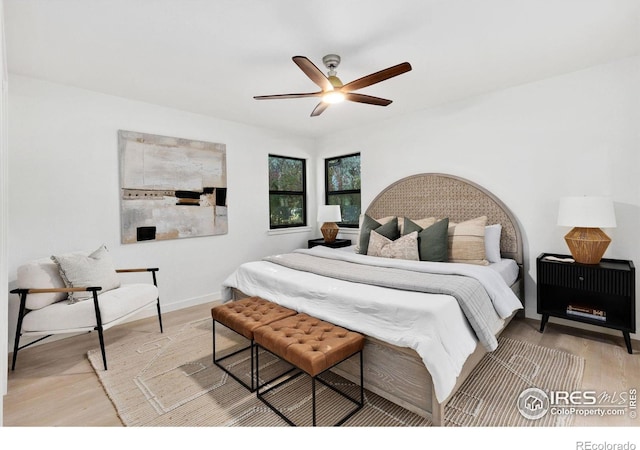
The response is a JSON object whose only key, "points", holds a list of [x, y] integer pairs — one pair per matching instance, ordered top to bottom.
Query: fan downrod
{"points": [[331, 62]]}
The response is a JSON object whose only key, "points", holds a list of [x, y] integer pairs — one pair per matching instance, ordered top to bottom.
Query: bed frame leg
{"points": [[437, 409], [437, 416]]}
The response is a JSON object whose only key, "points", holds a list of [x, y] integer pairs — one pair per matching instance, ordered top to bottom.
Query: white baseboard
{"points": [[181, 304]]}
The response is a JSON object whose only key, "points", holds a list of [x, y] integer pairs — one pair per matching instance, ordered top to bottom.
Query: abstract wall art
{"points": [[171, 188]]}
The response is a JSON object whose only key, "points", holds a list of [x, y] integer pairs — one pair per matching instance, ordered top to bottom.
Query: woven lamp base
{"points": [[329, 231], [587, 245]]}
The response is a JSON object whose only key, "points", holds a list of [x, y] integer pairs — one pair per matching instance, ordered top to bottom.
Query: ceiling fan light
{"points": [[333, 97]]}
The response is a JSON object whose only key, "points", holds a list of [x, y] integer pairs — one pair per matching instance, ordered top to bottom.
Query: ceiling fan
{"points": [[333, 91]]}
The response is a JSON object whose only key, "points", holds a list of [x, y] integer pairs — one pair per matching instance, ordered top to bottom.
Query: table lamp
{"points": [[329, 215], [586, 241]]}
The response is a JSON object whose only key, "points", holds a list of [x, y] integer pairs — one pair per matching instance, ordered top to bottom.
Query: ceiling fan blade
{"points": [[313, 72], [377, 77], [277, 96], [361, 98], [319, 109]]}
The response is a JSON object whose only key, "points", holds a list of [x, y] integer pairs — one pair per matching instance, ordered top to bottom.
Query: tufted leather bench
{"points": [[244, 317], [314, 347]]}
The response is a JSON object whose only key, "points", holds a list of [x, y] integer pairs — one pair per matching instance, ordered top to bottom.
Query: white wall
{"points": [[4, 79], [570, 135], [64, 188]]}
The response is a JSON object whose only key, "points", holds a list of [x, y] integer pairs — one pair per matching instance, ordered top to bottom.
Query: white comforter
{"points": [[431, 324]]}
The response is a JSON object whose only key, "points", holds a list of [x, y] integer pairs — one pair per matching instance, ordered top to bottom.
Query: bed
{"points": [[427, 323]]}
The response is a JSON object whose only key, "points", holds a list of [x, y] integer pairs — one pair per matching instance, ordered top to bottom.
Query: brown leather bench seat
{"points": [[244, 317], [313, 346]]}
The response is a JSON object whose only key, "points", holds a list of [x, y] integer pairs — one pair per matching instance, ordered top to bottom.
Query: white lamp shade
{"points": [[586, 212], [329, 213]]}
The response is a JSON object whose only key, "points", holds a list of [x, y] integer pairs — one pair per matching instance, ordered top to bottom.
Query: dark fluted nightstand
{"points": [[338, 243], [601, 294]]}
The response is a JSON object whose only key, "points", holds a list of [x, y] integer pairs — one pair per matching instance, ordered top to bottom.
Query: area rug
{"points": [[170, 380]]}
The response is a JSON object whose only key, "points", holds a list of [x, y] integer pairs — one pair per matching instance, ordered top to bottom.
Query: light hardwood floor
{"points": [[54, 384]]}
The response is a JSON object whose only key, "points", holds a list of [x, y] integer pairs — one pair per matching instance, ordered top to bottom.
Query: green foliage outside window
{"points": [[286, 174], [342, 187], [287, 192]]}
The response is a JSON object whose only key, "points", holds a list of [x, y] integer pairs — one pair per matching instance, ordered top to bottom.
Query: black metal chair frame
{"points": [[23, 311], [260, 394]]}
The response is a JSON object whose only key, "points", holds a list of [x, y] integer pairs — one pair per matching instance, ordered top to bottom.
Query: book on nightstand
{"points": [[585, 311]]}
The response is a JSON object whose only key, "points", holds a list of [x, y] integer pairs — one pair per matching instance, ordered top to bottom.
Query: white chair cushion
{"points": [[41, 273], [114, 305]]}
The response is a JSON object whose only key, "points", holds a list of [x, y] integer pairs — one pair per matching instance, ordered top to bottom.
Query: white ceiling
{"points": [[212, 56]]}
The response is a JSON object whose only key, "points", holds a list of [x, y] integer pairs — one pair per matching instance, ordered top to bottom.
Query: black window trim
{"points": [[348, 191], [303, 193]]}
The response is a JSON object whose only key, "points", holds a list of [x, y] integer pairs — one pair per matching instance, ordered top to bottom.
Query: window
{"points": [[342, 187], [287, 192]]}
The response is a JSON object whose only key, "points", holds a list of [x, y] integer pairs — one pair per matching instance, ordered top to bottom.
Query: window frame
{"points": [[347, 191], [302, 193]]}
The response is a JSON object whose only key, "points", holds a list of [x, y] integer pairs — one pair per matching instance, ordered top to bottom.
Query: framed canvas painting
{"points": [[171, 188]]}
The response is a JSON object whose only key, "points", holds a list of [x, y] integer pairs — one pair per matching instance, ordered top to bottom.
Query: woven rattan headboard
{"points": [[441, 195]]}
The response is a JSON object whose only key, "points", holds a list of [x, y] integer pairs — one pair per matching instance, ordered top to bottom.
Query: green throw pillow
{"points": [[388, 230], [433, 241]]}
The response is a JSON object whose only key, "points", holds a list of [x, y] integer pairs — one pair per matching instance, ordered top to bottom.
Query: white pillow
{"points": [[492, 242], [405, 247], [78, 270], [41, 274]]}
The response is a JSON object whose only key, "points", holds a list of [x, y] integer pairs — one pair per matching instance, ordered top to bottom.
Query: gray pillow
{"points": [[388, 230], [433, 241], [82, 270]]}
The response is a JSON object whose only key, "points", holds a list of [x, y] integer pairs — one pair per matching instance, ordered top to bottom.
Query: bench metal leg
{"points": [[217, 361], [261, 393]]}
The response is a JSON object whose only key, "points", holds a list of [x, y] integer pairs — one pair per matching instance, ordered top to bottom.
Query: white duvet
{"points": [[431, 324]]}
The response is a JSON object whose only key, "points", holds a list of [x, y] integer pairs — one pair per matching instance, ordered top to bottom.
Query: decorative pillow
{"points": [[422, 223], [388, 229], [433, 240], [466, 241], [492, 242], [405, 247], [81, 270], [41, 273]]}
